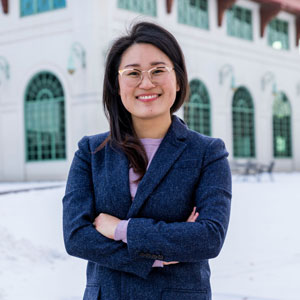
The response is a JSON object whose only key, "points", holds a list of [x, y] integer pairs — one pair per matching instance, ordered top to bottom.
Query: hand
{"points": [[192, 218], [106, 225], [165, 263]]}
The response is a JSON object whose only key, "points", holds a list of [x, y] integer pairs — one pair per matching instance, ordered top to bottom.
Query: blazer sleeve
{"points": [[81, 238], [190, 242]]}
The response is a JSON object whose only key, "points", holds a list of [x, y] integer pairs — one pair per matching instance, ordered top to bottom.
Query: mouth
{"points": [[148, 97]]}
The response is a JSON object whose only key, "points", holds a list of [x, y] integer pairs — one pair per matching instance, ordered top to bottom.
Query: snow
{"points": [[10, 187], [261, 255], [260, 259], [33, 262]]}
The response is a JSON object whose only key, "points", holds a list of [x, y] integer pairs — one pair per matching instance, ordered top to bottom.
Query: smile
{"points": [[148, 98]]}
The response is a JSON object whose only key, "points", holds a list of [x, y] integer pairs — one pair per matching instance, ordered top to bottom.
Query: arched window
{"points": [[197, 109], [45, 119], [243, 124], [282, 140]]}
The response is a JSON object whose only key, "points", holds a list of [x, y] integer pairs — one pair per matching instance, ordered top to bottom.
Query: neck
{"points": [[149, 128]]}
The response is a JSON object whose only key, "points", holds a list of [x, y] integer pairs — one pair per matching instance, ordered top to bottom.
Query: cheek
{"points": [[175, 84], [173, 89], [125, 95]]}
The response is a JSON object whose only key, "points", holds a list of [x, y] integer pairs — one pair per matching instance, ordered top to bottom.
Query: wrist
{"points": [[120, 233]]}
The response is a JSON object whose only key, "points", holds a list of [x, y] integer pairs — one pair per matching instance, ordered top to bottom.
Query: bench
{"points": [[252, 168], [266, 168]]}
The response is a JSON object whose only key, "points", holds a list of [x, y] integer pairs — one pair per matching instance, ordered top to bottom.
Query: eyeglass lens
{"points": [[156, 75]]}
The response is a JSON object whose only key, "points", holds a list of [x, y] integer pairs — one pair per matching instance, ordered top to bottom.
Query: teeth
{"points": [[147, 97]]}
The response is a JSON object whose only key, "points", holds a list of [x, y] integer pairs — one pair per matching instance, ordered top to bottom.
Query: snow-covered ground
{"points": [[259, 261]]}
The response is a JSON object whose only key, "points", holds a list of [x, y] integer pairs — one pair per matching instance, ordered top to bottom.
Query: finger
{"points": [[191, 215], [195, 217], [190, 218], [170, 262]]}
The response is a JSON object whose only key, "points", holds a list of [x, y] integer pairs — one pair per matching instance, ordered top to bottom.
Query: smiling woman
{"points": [[148, 97], [147, 203]]}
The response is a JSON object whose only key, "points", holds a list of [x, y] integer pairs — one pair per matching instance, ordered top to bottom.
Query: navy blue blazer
{"points": [[188, 169]]}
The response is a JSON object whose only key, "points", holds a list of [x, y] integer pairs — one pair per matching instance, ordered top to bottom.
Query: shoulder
{"points": [[200, 141], [92, 142], [197, 144], [209, 148]]}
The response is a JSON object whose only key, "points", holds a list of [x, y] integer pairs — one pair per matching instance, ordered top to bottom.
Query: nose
{"points": [[146, 83]]}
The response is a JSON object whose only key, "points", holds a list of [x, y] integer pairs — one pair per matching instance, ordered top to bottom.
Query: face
{"points": [[147, 100]]}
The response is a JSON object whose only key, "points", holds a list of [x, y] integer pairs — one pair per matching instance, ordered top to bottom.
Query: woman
{"points": [[147, 204]]}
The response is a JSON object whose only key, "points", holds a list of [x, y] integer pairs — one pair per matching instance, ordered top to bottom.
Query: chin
{"points": [[152, 116]]}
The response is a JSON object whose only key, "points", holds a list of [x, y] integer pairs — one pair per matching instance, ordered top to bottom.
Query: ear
{"points": [[177, 87]]}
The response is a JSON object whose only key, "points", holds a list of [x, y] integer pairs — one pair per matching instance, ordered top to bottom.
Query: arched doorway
{"points": [[197, 109], [243, 128], [282, 138]]}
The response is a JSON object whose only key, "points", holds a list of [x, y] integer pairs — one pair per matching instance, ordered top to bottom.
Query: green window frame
{"points": [[31, 7], [146, 7], [193, 13], [239, 22], [278, 34], [44, 109], [197, 112], [243, 128], [282, 137]]}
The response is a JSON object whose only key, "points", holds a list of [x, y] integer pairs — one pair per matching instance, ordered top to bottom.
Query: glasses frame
{"points": [[145, 71]]}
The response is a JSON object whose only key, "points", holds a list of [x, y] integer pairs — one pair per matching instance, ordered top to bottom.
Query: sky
{"points": [[260, 259]]}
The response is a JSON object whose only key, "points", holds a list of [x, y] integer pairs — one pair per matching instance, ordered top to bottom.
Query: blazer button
{"points": [[142, 254], [148, 255], [154, 256], [160, 257]]}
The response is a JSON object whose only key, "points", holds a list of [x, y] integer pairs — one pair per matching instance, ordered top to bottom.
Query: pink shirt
{"points": [[151, 146]]}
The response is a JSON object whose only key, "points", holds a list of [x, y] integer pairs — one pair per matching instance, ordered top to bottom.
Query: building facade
{"points": [[242, 59]]}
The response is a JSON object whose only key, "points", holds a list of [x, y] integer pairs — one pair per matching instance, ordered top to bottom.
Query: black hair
{"points": [[122, 134]]}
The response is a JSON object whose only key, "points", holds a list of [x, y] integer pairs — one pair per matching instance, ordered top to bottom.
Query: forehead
{"points": [[143, 55]]}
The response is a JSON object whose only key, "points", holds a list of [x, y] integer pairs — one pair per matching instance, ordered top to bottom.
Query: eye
{"points": [[158, 71], [132, 73]]}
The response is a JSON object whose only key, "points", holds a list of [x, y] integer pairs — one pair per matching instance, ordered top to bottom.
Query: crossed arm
{"points": [[107, 224], [201, 237]]}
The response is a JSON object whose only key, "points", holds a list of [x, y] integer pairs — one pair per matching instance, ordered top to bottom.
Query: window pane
{"points": [[59, 3], [43, 5], [27, 7], [147, 7], [193, 12], [239, 22], [278, 34], [197, 109], [44, 118], [243, 124], [282, 140]]}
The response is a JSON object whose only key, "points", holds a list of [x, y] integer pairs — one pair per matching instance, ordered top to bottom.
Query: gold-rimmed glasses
{"points": [[157, 75]]}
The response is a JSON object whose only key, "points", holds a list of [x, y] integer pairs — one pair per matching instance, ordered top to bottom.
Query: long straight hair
{"points": [[122, 134]]}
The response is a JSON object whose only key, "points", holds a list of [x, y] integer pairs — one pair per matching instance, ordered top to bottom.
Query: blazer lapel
{"points": [[168, 152], [117, 179]]}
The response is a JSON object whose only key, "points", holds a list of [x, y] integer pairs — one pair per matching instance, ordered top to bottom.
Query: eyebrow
{"points": [[155, 63]]}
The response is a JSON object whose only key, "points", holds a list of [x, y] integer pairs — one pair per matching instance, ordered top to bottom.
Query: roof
{"points": [[290, 6]]}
